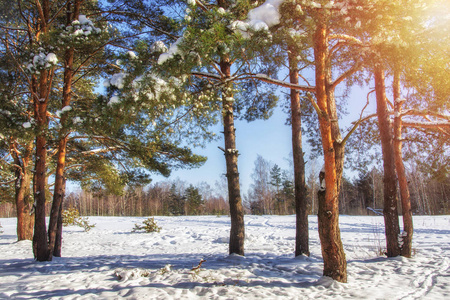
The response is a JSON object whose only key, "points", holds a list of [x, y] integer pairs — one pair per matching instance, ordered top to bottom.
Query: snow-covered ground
{"points": [[111, 262]]}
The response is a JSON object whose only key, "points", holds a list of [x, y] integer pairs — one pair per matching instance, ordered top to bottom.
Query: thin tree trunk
{"points": [[23, 197], [301, 203], [390, 212], [237, 232], [58, 238], [406, 243], [335, 265]]}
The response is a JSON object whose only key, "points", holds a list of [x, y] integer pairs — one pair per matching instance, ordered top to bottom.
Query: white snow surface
{"points": [[111, 262]]}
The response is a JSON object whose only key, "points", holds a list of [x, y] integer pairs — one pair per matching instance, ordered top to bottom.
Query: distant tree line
{"points": [[271, 193]]}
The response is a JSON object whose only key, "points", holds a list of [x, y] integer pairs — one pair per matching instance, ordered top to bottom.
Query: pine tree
{"points": [[194, 201]]}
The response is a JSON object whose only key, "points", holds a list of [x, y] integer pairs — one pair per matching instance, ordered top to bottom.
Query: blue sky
{"points": [[270, 138]]}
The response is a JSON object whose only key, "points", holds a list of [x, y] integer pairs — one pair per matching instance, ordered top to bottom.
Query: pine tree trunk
{"points": [[40, 90], [401, 174], [60, 182], [58, 196], [23, 197], [301, 203], [390, 212], [237, 232], [58, 239], [40, 246], [335, 265]]}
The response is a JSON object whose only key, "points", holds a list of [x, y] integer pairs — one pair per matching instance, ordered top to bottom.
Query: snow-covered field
{"points": [[110, 262]]}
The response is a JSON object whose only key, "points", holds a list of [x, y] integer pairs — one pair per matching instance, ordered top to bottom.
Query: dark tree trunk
{"points": [[40, 90], [58, 196], [23, 197], [301, 203], [390, 212], [237, 232], [407, 235], [58, 239], [40, 245], [335, 265]]}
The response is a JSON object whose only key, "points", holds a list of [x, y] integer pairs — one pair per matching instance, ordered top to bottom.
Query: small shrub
{"points": [[71, 216], [149, 226], [1, 228]]}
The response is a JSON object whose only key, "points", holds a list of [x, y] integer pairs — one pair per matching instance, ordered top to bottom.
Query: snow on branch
{"points": [[347, 38], [426, 114], [417, 124]]}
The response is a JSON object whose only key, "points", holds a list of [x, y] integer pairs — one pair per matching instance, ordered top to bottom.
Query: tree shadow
{"points": [[267, 272]]}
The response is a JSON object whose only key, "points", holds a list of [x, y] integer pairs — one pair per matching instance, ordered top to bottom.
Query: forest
{"points": [[107, 93]]}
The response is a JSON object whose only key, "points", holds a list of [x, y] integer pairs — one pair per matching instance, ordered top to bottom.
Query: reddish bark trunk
{"points": [[40, 92], [23, 197], [301, 204], [390, 212], [55, 231], [237, 232], [407, 235], [335, 265]]}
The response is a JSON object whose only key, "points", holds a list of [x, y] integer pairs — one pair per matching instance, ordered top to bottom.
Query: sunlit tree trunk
{"points": [[73, 10], [401, 174], [301, 203], [390, 212], [335, 265]]}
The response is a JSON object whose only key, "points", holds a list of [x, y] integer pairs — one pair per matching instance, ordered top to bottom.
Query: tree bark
{"points": [[40, 90], [23, 197], [301, 203], [390, 212], [54, 230], [237, 232], [406, 237], [58, 240], [40, 245], [335, 265]]}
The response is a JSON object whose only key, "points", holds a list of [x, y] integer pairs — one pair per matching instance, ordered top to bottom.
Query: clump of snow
{"points": [[267, 13], [260, 18], [80, 29], [158, 47], [173, 50], [132, 55], [51, 59], [42, 61], [117, 80], [113, 100], [66, 108], [26, 125]]}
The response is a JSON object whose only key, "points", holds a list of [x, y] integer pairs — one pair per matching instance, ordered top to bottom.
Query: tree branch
{"points": [[346, 74]]}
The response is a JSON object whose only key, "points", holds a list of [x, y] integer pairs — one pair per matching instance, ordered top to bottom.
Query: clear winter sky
{"points": [[271, 139]]}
